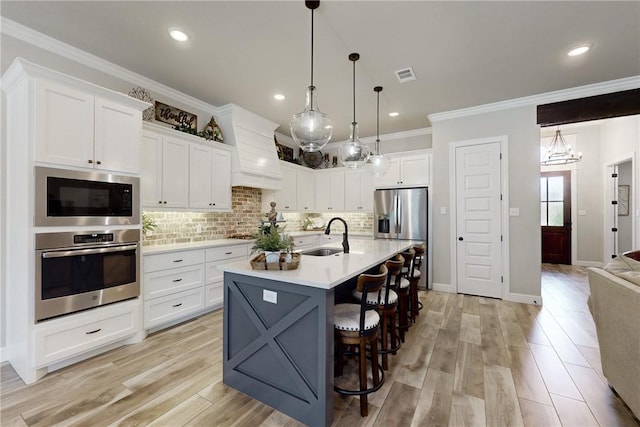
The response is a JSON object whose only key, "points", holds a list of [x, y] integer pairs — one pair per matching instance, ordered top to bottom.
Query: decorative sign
{"points": [[168, 114]]}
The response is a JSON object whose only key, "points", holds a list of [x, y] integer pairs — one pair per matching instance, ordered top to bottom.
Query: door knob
{"points": [[460, 238]]}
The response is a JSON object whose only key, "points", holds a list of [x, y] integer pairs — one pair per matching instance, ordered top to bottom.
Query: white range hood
{"points": [[254, 161]]}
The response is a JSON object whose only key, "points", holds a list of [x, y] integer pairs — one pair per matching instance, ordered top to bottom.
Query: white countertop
{"points": [[157, 249], [329, 271]]}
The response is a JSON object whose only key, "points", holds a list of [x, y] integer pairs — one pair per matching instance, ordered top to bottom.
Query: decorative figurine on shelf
{"points": [[212, 131], [272, 215]]}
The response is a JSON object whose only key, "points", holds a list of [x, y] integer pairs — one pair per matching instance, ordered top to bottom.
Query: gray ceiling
{"points": [[463, 53]]}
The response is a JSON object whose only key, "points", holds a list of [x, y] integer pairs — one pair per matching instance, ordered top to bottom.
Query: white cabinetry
{"points": [[76, 128], [407, 170], [209, 178], [164, 179], [305, 190], [329, 190], [358, 191], [296, 192], [286, 196], [306, 241], [181, 284], [173, 286], [214, 289]]}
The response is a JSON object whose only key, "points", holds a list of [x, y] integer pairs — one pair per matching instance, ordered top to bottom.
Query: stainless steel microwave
{"points": [[71, 198]]}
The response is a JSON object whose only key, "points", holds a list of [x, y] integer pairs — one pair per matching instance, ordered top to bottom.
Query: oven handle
{"points": [[59, 254]]}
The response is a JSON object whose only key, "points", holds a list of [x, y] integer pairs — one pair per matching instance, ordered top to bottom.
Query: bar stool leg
{"points": [[403, 309], [384, 331], [364, 408]]}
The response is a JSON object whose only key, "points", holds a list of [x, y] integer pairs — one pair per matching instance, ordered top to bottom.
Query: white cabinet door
{"points": [[64, 125], [117, 137], [151, 170], [415, 171], [175, 173], [200, 176], [391, 178], [221, 185], [329, 186], [305, 190], [358, 191], [366, 192], [286, 196]]}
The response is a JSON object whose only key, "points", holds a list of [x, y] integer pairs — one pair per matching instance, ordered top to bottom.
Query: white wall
{"points": [[519, 125]]}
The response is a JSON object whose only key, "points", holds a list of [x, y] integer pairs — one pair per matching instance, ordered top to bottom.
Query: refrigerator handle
{"points": [[398, 215]]}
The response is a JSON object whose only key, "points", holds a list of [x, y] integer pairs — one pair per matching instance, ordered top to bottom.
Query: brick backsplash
{"points": [[181, 226]]}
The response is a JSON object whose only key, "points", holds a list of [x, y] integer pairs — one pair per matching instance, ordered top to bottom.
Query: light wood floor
{"points": [[467, 361]]}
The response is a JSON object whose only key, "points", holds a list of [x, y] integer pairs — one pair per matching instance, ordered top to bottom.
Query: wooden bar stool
{"points": [[414, 278], [403, 285], [387, 302], [358, 325]]}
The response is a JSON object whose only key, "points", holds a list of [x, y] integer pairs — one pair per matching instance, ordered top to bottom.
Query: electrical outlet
{"points": [[270, 296]]}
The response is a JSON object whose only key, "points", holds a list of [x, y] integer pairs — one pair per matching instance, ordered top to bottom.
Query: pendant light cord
{"points": [[312, 87], [354, 91]]}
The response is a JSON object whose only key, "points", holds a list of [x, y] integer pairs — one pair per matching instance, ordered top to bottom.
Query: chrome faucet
{"points": [[345, 235]]}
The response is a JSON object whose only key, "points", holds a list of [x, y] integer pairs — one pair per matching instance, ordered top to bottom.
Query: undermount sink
{"points": [[322, 251]]}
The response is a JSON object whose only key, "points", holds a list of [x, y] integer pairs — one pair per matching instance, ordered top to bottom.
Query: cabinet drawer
{"points": [[227, 252], [172, 260], [213, 275], [166, 282], [214, 295], [173, 307], [89, 330]]}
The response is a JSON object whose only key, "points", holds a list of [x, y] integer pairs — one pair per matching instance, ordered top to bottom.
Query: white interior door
{"points": [[479, 219]]}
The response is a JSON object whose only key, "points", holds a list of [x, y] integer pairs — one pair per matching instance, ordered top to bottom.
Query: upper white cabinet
{"points": [[77, 128], [407, 170], [164, 174], [209, 177], [305, 190], [329, 190], [358, 191], [286, 197]]}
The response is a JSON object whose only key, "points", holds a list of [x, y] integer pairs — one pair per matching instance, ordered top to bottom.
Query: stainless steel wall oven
{"points": [[71, 198], [80, 270]]}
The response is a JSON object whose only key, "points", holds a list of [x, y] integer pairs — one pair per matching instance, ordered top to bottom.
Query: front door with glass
{"points": [[555, 216]]}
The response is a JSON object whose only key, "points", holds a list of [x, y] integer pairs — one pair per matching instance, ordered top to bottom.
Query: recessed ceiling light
{"points": [[178, 35], [579, 50], [279, 97], [394, 114]]}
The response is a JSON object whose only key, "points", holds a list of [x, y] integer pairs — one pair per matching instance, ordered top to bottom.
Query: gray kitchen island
{"points": [[278, 328]]}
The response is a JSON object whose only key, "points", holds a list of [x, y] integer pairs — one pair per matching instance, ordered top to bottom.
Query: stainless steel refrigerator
{"points": [[400, 213]]}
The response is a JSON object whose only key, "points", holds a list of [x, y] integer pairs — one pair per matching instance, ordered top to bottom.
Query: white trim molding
{"points": [[42, 41], [544, 98], [588, 264], [444, 287], [524, 298]]}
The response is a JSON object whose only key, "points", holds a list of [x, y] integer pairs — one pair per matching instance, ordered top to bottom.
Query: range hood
{"points": [[254, 160]]}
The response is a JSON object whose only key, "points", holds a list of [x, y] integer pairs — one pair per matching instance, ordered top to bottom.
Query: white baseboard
{"points": [[589, 264], [443, 287], [524, 298], [3, 354]]}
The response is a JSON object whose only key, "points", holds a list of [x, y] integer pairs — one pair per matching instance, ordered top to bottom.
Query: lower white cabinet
{"points": [[302, 242], [181, 284], [172, 307], [59, 339]]}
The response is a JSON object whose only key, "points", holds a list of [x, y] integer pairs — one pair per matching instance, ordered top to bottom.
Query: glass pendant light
{"points": [[311, 129], [559, 152], [352, 153], [379, 164]]}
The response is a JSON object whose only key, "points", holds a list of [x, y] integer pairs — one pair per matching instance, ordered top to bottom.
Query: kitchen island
{"points": [[278, 327]]}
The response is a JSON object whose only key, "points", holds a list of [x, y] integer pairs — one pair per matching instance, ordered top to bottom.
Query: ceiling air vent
{"points": [[405, 75]]}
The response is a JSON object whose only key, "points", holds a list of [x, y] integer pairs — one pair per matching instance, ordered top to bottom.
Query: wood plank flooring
{"points": [[468, 361]]}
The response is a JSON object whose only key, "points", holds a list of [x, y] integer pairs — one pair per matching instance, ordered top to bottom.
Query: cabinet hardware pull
{"points": [[90, 161], [99, 162], [160, 201], [165, 202], [213, 204], [228, 253], [177, 260], [177, 280], [176, 305], [93, 332]]}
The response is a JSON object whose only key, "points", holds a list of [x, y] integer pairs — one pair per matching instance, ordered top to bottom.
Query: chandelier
{"points": [[559, 152]]}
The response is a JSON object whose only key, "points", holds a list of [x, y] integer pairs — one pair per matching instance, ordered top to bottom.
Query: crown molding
{"points": [[50, 44], [544, 98]]}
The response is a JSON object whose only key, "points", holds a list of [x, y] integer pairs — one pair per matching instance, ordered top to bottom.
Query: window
{"points": [[552, 201]]}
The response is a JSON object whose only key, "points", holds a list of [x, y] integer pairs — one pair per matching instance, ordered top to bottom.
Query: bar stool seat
{"points": [[375, 298], [358, 325]]}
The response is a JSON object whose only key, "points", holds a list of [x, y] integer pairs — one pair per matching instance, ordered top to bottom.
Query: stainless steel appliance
{"points": [[71, 198], [400, 213], [80, 270]]}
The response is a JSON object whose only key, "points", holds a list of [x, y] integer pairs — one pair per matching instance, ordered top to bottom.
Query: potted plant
{"points": [[272, 240]]}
